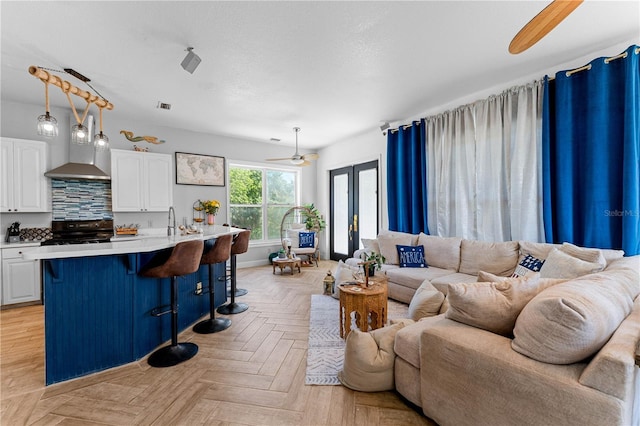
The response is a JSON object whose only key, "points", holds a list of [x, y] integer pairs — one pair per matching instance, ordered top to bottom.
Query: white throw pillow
{"points": [[498, 258], [562, 265], [342, 273], [426, 301], [369, 359]]}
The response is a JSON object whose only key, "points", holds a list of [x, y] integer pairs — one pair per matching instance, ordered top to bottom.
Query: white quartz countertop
{"points": [[21, 244], [140, 244]]}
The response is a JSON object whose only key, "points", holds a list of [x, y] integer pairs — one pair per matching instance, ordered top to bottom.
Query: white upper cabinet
{"points": [[141, 181], [23, 186]]}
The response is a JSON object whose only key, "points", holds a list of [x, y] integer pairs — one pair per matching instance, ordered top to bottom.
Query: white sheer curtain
{"points": [[485, 168]]}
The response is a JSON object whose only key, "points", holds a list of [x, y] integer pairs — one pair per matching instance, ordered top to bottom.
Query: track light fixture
{"points": [[191, 61]]}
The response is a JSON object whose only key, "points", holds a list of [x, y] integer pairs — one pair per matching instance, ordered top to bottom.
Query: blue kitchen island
{"points": [[98, 307]]}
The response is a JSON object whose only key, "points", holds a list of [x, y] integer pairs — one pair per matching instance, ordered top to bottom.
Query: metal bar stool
{"points": [[240, 245], [220, 252], [184, 260]]}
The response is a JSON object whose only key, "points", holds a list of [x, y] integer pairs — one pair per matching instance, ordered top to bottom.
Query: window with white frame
{"points": [[259, 196]]}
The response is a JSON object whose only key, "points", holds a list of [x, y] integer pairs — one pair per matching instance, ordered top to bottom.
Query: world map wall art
{"points": [[196, 169]]}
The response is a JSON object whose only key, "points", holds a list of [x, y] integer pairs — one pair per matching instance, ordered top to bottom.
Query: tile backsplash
{"points": [[81, 199]]}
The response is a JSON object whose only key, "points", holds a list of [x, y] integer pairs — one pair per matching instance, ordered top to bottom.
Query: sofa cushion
{"points": [[414, 237], [388, 243], [370, 244], [538, 250], [441, 252], [587, 254], [411, 257], [496, 258], [562, 265], [413, 277], [442, 282], [425, 302], [492, 306], [568, 322], [407, 344], [369, 358]]}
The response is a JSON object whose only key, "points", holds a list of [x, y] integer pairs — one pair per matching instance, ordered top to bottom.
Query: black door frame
{"points": [[353, 213]]}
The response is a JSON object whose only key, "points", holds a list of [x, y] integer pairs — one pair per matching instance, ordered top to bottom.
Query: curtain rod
{"points": [[606, 61], [550, 78]]}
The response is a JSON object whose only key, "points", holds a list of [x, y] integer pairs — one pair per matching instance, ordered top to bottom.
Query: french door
{"points": [[354, 208]]}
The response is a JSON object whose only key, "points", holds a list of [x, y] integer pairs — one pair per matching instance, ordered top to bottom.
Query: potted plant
{"points": [[313, 220], [377, 260]]}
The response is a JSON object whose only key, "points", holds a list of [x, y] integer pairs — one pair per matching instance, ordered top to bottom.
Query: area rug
{"points": [[325, 355]]}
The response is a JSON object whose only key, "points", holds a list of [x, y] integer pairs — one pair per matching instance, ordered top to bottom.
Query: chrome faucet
{"points": [[169, 226]]}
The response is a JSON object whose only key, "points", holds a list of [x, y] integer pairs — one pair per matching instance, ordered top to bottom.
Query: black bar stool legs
{"points": [[240, 245], [219, 253], [184, 259], [233, 307], [212, 324], [175, 353]]}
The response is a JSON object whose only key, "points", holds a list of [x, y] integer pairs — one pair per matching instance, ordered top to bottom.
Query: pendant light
{"points": [[47, 125], [79, 132], [101, 140]]}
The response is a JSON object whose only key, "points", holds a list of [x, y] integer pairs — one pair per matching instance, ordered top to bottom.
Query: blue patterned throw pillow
{"points": [[306, 239], [411, 257], [527, 265]]}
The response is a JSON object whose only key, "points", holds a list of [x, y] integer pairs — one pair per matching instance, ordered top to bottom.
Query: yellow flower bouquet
{"points": [[210, 206]]}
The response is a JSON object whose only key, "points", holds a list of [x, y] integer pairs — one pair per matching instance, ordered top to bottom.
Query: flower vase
{"points": [[210, 217]]}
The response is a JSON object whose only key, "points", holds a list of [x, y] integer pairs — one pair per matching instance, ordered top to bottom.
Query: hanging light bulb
{"points": [[47, 125], [79, 134], [101, 140]]}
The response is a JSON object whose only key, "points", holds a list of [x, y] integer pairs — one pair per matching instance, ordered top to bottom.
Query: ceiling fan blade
{"points": [[541, 24], [312, 156], [278, 159], [305, 163]]}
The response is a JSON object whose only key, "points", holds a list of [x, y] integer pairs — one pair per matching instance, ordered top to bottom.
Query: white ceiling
{"points": [[336, 69]]}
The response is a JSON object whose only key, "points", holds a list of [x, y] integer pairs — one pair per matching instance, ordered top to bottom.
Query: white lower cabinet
{"points": [[21, 279]]}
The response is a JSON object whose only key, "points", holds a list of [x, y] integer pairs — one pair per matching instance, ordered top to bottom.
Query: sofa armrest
{"points": [[358, 253], [612, 369]]}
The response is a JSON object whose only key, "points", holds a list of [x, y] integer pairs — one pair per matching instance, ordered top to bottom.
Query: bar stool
{"points": [[240, 245], [220, 252], [184, 259], [239, 291]]}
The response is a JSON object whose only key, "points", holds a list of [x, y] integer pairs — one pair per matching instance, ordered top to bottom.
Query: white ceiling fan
{"points": [[542, 24], [297, 159]]}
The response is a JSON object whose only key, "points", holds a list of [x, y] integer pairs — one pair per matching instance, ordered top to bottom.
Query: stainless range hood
{"points": [[82, 159]]}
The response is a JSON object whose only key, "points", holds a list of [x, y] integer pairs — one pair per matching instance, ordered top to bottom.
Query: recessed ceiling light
{"points": [[274, 140]]}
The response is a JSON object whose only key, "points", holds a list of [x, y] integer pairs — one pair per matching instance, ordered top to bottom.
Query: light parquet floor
{"points": [[250, 374]]}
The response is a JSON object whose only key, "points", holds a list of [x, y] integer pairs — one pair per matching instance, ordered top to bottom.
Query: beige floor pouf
{"points": [[369, 359]]}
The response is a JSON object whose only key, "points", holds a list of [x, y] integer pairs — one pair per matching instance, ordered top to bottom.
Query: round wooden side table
{"points": [[296, 262], [369, 305]]}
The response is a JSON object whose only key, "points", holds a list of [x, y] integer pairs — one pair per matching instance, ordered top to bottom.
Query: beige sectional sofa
{"points": [[570, 359]]}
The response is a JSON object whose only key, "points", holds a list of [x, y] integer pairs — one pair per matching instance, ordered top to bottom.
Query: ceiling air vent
{"points": [[162, 105]]}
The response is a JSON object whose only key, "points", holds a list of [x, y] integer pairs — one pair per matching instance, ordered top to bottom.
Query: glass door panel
{"points": [[354, 208]]}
